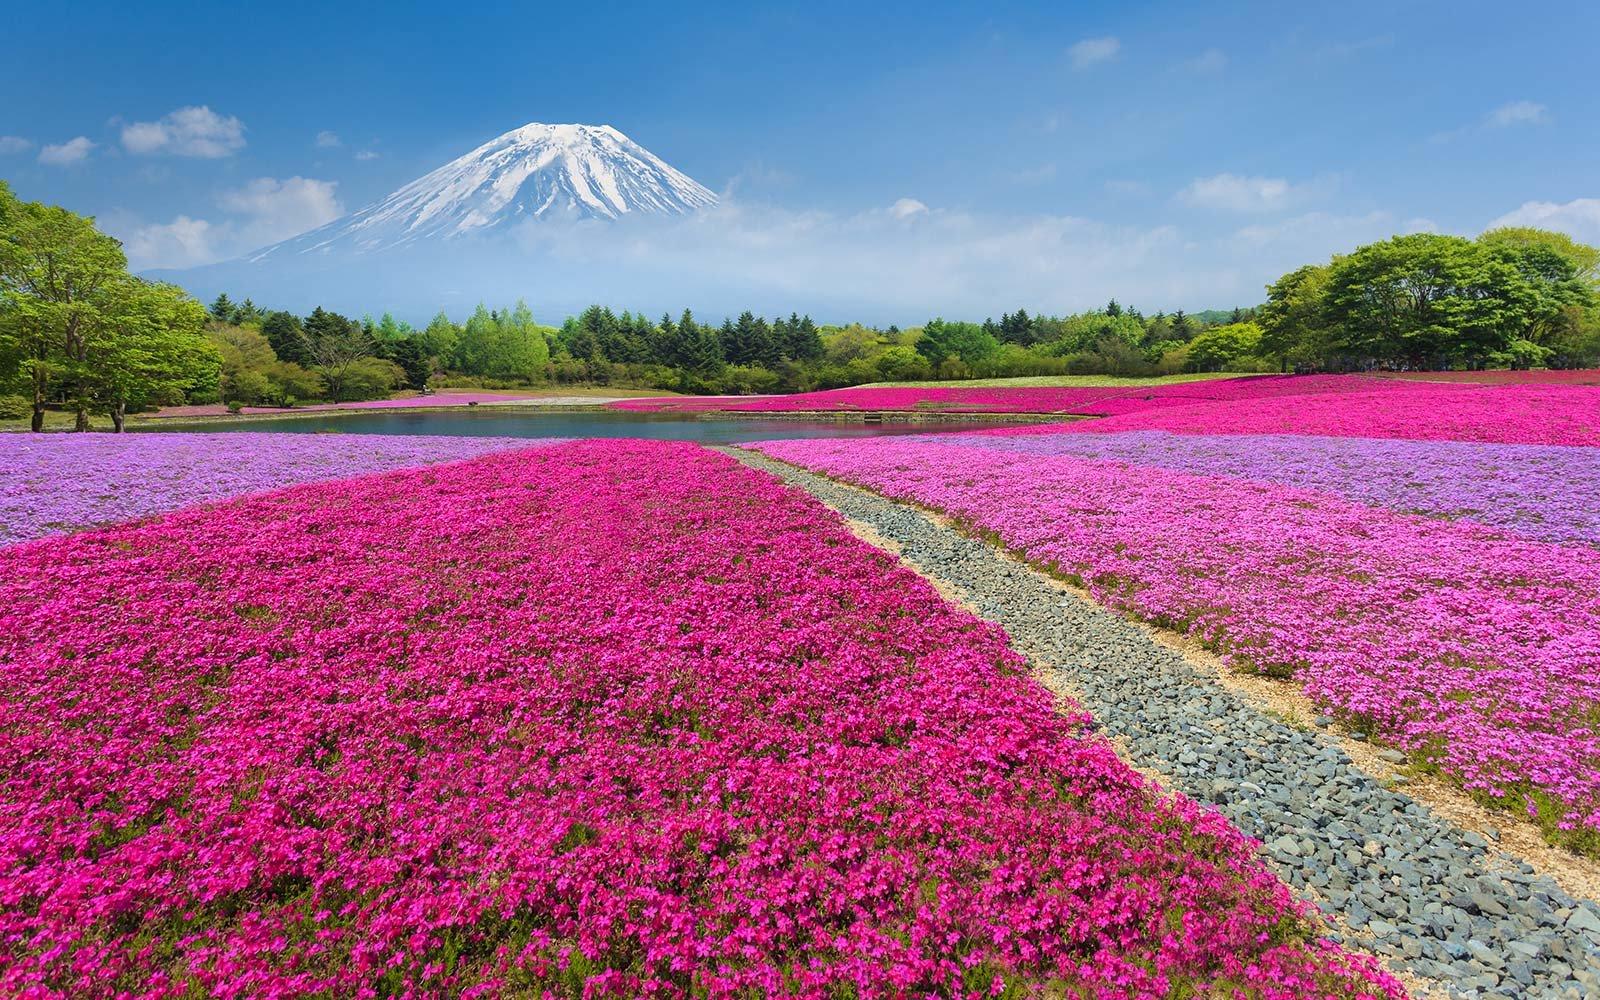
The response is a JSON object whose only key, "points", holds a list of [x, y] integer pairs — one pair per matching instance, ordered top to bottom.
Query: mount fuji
{"points": [[535, 172], [546, 212]]}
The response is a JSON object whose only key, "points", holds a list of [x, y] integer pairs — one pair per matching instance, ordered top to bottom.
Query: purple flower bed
{"points": [[56, 483], [1539, 491], [1476, 650]]}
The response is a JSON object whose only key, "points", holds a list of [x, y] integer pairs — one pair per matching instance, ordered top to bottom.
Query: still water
{"points": [[531, 423]]}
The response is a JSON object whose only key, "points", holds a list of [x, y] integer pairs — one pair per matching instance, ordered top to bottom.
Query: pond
{"points": [[534, 423]]}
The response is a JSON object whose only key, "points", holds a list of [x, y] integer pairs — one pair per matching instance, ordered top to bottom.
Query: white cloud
{"points": [[1093, 51], [1209, 61], [1518, 113], [1505, 116], [193, 131], [327, 139], [12, 144], [66, 153], [367, 154], [1234, 193], [905, 208], [276, 209], [264, 211], [1578, 218], [1319, 227], [183, 242], [869, 265], [873, 266]]}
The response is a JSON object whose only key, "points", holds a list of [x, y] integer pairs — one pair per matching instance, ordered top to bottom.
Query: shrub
{"points": [[15, 407]]}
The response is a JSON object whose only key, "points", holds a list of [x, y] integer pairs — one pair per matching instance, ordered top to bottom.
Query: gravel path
{"points": [[1432, 899]]}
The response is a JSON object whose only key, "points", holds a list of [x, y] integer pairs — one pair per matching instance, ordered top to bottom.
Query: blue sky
{"points": [[1243, 135]]}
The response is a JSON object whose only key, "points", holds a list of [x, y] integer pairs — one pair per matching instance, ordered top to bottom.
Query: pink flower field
{"points": [[1086, 400], [1423, 411], [1542, 411], [1475, 648], [595, 719]]}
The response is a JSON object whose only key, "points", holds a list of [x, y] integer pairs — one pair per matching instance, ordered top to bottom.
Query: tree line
{"points": [[79, 332]]}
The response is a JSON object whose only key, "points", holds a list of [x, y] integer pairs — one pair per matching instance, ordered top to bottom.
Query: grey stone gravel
{"points": [[1402, 883]]}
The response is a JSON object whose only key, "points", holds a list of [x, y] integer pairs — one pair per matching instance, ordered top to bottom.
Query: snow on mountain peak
{"points": [[537, 171]]}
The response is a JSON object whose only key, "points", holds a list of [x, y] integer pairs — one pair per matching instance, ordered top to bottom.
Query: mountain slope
{"points": [[534, 172]]}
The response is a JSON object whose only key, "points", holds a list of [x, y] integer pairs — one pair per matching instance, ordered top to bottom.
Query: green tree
{"points": [[1585, 259], [1560, 272], [1426, 299], [222, 308], [74, 320], [1294, 320], [286, 336], [441, 337], [942, 339], [802, 342], [337, 347], [1221, 347], [519, 349], [695, 349], [157, 353]]}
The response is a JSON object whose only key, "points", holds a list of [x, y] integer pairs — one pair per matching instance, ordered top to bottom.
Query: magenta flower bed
{"points": [[1543, 376], [1093, 400], [1506, 414], [51, 483], [1540, 491], [1470, 647], [612, 718]]}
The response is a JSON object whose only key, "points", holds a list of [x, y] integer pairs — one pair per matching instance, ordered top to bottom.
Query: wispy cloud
{"points": [[1349, 49], [1093, 52], [1209, 61], [1518, 113], [1508, 115], [192, 131], [328, 140], [10, 145], [65, 154], [367, 154], [1033, 175], [1235, 193], [906, 208], [279, 209], [263, 211], [1578, 218], [183, 242], [877, 266]]}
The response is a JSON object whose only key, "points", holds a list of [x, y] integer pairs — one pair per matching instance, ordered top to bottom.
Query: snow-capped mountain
{"points": [[534, 172]]}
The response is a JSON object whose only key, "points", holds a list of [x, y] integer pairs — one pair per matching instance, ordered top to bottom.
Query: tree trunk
{"points": [[119, 414], [82, 421], [37, 425]]}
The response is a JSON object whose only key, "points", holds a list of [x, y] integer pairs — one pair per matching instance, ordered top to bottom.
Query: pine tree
{"points": [[222, 308], [287, 339]]}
